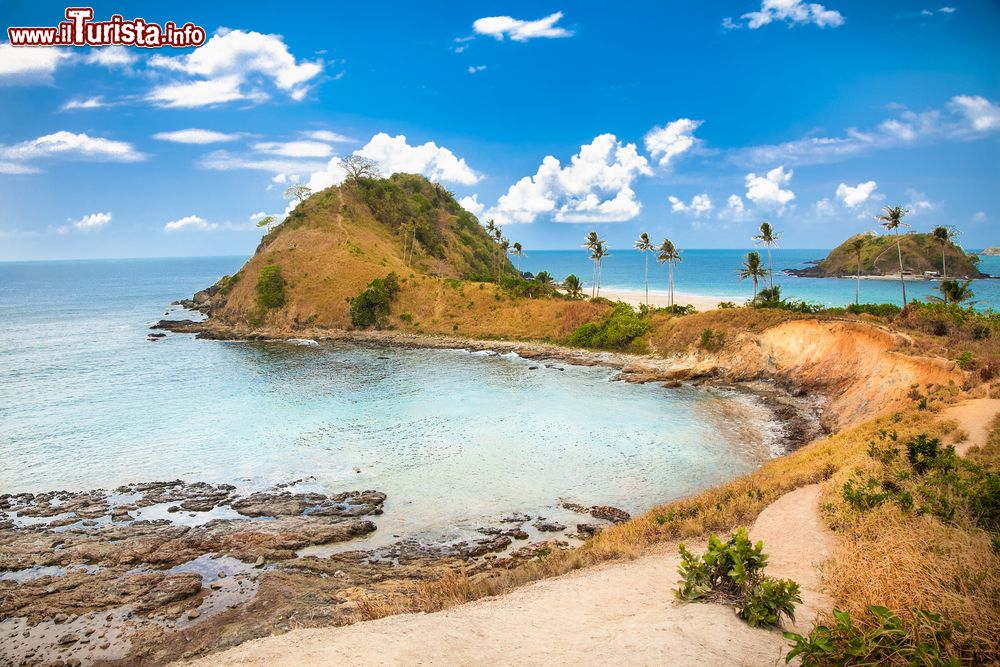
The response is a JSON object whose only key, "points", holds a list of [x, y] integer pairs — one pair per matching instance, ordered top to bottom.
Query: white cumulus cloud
{"points": [[792, 12], [518, 30], [234, 65], [981, 114], [196, 136], [674, 138], [394, 154], [596, 186], [767, 190], [856, 195], [190, 222], [88, 223]]}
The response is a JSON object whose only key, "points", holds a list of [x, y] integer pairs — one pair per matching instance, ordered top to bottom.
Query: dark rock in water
{"points": [[156, 335], [532, 368], [673, 384], [348, 504], [612, 514], [517, 517], [548, 526], [588, 529], [517, 534]]}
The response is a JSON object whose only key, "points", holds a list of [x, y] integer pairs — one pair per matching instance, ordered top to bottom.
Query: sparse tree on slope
{"points": [[358, 167], [300, 192], [266, 221], [572, 286], [953, 291]]}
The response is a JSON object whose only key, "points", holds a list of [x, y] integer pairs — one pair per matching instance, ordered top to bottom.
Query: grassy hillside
{"points": [[921, 252], [307, 270]]}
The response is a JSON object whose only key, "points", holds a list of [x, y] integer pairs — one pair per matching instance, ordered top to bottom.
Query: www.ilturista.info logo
{"points": [[81, 30]]}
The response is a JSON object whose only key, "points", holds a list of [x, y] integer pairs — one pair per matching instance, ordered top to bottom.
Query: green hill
{"points": [[921, 253]]}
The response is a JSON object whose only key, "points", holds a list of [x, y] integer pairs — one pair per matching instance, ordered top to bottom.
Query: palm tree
{"points": [[892, 220], [945, 236], [498, 237], [769, 238], [590, 243], [858, 245], [645, 246], [504, 248], [600, 252], [519, 253], [669, 254], [752, 269], [544, 277], [572, 286], [953, 291]]}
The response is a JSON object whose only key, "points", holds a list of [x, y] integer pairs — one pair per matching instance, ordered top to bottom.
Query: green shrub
{"points": [[271, 287], [726, 305], [371, 306], [888, 310], [614, 330], [711, 340], [966, 361], [930, 479], [733, 573], [883, 639]]}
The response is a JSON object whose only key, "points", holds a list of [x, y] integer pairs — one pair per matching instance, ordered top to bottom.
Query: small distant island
{"points": [[992, 251], [925, 256]]}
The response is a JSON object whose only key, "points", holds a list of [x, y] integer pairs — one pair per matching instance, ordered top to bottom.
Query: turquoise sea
{"points": [[714, 273], [454, 438]]}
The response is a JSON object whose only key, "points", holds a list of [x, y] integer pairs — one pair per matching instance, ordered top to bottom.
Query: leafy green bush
{"points": [[271, 287], [726, 305], [371, 306], [615, 330], [733, 573], [884, 639]]}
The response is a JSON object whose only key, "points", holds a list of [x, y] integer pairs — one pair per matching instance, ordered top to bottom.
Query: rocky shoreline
{"points": [[92, 577]]}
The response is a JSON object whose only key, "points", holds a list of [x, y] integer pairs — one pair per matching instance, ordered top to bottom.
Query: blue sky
{"points": [[691, 119]]}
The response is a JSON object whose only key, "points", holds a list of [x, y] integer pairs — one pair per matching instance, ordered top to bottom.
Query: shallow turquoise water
{"points": [[455, 438]]}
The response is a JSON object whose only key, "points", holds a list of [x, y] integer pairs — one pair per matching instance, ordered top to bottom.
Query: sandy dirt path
{"points": [[974, 417], [617, 613]]}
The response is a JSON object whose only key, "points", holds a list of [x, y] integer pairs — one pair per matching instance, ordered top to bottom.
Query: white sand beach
{"points": [[659, 298]]}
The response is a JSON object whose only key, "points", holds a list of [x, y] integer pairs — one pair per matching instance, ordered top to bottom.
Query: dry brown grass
{"points": [[902, 560]]}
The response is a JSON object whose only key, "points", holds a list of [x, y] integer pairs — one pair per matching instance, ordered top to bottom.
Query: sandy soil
{"points": [[659, 298], [974, 417], [619, 613]]}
